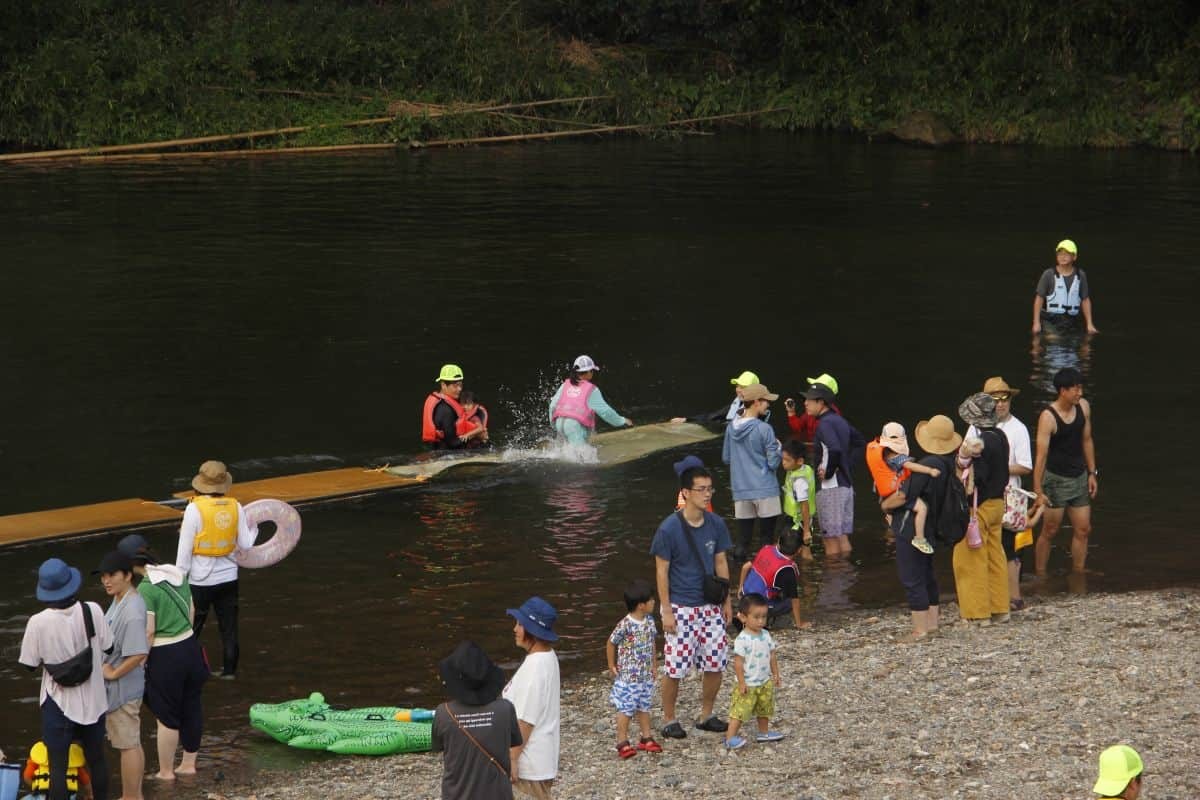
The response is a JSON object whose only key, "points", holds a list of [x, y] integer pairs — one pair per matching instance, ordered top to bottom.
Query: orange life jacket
{"points": [[466, 424], [429, 431], [887, 480]]}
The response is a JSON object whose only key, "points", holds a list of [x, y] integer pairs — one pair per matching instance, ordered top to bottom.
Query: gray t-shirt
{"points": [[127, 619], [466, 771]]}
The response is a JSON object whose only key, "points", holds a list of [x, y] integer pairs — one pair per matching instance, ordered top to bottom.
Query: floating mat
{"points": [[610, 448], [309, 486], [77, 520], [312, 724]]}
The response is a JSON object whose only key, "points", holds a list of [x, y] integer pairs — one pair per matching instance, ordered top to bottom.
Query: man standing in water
{"points": [[1062, 292], [444, 423], [1064, 471], [689, 545]]}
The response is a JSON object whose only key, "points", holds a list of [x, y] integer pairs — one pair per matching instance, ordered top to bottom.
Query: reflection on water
{"points": [[1057, 348]]}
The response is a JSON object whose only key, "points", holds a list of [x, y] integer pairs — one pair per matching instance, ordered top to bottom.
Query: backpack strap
{"points": [[687, 535], [89, 627]]}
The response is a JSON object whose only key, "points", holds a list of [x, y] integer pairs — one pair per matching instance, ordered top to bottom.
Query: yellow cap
{"points": [[1069, 246], [450, 373], [745, 379], [826, 380], [1119, 765]]}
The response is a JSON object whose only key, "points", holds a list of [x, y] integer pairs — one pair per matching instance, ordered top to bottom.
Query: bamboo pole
{"points": [[479, 140], [44, 155]]}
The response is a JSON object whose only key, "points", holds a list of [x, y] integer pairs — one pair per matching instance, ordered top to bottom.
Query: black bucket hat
{"points": [[470, 675]]}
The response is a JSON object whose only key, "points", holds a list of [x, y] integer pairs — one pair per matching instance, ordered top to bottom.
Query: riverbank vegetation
{"points": [[1057, 72]]}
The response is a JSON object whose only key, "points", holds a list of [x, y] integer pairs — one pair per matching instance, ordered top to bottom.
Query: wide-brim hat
{"points": [[585, 364], [745, 379], [824, 379], [998, 385], [756, 391], [979, 410], [936, 435], [894, 438], [213, 478], [137, 548], [57, 581], [537, 617], [470, 676], [1119, 765]]}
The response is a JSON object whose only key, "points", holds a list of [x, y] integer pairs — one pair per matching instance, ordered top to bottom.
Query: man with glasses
{"points": [[444, 423], [1020, 463], [690, 544]]}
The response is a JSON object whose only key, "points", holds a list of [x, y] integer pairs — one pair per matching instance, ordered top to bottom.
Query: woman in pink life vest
{"points": [[576, 404]]}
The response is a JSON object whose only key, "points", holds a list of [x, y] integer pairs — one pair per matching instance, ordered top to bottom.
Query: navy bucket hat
{"points": [[57, 581], [537, 617]]}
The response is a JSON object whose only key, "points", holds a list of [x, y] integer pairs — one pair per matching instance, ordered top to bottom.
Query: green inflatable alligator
{"points": [[313, 724]]}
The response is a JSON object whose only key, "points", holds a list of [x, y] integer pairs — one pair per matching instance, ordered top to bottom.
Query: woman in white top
{"points": [[55, 635], [534, 692]]}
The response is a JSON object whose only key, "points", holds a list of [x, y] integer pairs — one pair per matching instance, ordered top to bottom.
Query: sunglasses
{"points": [[1002, 398]]}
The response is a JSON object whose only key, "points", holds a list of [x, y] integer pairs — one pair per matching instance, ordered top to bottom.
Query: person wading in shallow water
{"points": [[1062, 292], [445, 424], [1064, 471]]}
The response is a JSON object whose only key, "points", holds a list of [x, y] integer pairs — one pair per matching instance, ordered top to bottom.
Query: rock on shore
{"points": [[1014, 710]]}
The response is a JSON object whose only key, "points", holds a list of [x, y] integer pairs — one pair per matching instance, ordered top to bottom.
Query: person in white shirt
{"points": [[1020, 463], [214, 529], [534, 692], [72, 709]]}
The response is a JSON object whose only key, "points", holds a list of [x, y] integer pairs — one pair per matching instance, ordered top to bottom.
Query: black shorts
{"points": [[1008, 540]]}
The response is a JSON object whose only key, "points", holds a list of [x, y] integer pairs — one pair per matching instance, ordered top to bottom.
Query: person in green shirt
{"points": [[799, 493], [176, 668]]}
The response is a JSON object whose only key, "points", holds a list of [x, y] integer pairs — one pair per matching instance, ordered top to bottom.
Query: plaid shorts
{"points": [[835, 509], [699, 641], [630, 698]]}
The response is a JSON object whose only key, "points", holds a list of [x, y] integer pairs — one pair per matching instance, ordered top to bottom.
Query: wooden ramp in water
{"points": [[614, 447]]}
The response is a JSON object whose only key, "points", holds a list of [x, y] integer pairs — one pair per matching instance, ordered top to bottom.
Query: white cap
{"points": [[585, 364]]}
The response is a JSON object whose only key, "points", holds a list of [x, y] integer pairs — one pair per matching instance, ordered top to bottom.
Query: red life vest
{"points": [[573, 403], [466, 424], [430, 432], [887, 480], [763, 571]]}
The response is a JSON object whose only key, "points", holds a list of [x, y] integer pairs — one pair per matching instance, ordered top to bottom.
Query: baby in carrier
{"points": [[891, 466]]}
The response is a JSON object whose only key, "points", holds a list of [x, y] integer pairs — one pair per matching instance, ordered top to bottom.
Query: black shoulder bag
{"points": [[716, 588], [78, 668]]}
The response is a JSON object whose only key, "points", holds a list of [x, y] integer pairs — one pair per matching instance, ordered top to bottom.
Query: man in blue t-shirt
{"points": [[695, 629]]}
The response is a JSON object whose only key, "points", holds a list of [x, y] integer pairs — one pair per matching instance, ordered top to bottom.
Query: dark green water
{"points": [[290, 315]]}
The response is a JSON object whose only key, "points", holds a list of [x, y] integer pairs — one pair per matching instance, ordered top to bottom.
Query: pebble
{"points": [[1015, 710]]}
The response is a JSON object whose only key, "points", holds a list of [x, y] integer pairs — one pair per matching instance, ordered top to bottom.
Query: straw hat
{"points": [[998, 385], [936, 435], [213, 478]]}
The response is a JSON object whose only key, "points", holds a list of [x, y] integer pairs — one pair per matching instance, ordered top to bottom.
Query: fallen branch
{"points": [[349, 148], [44, 155]]}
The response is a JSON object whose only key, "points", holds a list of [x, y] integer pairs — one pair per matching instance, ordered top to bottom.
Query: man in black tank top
{"points": [[1064, 470]]}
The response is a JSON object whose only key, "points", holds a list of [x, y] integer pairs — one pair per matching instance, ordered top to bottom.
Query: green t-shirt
{"points": [[803, 474], [169, 605]]}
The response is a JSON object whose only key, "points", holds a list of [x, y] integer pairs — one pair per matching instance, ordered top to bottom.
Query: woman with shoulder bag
{"points": [[67, 640]]}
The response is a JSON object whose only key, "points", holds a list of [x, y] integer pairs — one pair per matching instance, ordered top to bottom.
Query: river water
{"points": [[290, 315]]}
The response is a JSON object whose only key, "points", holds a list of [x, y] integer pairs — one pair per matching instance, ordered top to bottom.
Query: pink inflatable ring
{"points": [[287, 533]]}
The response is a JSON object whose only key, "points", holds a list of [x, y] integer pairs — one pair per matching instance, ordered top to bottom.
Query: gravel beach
{"points": [[1013, 710]]}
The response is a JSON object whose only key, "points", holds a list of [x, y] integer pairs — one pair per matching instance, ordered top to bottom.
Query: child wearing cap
{"points": [[891, 466], [799, 493], [631, 660]]}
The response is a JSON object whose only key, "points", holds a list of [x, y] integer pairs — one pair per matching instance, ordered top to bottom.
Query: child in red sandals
{"points": [[632, 661]]}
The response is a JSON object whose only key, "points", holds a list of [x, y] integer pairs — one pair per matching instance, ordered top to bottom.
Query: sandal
{"points": [[1017, 605], [648, 745], [626, 750]]}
